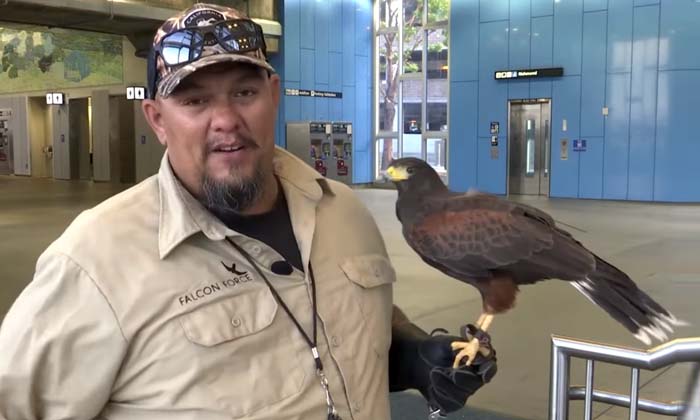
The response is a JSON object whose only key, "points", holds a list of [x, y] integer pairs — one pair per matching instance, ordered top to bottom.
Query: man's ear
{"points": [[275, 86], [151, 110]]}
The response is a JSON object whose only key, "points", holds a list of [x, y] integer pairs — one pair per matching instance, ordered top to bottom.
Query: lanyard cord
{"points": [[312, 344], [332, 412]]}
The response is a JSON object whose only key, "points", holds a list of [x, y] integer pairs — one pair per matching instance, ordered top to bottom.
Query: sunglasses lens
{"points": [[237, 36], [182, 47]]}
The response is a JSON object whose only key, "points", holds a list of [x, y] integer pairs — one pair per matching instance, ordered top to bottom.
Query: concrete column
{"points": [[100, 136]]}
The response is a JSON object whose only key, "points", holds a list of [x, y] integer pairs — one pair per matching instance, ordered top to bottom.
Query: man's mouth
{"points": [[229, 149]]}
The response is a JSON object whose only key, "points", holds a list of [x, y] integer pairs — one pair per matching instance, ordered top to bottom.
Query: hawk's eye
{"points": [[409, 169]]}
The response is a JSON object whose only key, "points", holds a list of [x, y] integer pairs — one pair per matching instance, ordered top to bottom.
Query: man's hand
{"points": [[421, 361], [449, 388]]}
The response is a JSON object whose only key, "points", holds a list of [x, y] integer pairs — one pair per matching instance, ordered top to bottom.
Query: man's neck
{"points": [[268, 198]]}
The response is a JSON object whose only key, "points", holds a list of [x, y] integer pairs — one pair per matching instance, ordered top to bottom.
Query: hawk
{"points": [[497, 245]]}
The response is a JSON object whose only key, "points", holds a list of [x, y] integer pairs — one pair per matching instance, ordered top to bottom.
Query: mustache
{"points": [[239, 140]]}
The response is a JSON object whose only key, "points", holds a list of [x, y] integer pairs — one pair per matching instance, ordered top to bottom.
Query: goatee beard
{"points": [[233, 194]]}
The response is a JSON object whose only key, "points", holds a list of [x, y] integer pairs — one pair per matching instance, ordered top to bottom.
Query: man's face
{"points": [[219, 126]]}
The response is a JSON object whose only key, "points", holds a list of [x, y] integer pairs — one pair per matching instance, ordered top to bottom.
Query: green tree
{"points": [[438, 11]]}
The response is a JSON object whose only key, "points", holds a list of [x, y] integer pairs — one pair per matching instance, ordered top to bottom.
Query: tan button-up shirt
{"points": [[141, 310]]}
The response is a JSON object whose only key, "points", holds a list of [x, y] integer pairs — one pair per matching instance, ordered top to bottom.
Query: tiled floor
{"points": [[657, 244]]}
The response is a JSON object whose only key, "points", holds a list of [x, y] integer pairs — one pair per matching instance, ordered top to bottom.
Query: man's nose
{"points": [[225, 116]]}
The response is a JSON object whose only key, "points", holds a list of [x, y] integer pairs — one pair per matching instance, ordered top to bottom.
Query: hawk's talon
{"points": [[470, 331], [467, 349]]}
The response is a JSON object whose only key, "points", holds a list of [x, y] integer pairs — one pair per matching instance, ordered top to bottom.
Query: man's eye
{"points": [[246, 92], [192, 101]]}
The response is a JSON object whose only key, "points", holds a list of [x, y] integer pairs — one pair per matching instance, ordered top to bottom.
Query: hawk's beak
{"points": [[396, 174]]}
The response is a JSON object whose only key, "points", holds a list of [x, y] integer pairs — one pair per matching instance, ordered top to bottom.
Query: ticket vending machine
{"points": [[341, 138], [310, 141], [324, 145], [6, 164]]}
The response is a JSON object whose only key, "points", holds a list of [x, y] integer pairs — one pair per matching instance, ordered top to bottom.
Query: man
{"points": [[237, 283]]}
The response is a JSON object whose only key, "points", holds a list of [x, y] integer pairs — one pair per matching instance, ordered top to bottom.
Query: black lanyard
{"points": [[332, 412]]}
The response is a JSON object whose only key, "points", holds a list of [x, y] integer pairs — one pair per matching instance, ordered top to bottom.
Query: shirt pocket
{"points": [[373, 276], [242, 359]]}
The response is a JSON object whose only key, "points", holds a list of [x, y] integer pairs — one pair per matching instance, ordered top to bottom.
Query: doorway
{"points": [[80, 138], [529, 147]]}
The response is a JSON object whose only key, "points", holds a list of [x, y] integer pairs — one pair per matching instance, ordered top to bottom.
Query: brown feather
{"points": [[498, 293]]}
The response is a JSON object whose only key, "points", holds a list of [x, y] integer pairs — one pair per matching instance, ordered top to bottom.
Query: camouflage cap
{"points": [[163, 78]]}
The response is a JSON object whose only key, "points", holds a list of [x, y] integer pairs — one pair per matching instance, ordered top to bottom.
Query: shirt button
{"points": [[256, 249], [236, 322], [335, 341], [357, 406]]}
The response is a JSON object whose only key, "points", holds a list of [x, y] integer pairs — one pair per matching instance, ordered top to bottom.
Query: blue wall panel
{"points": [[645, 2], [594, 5], [542, 7], [491, 10], [620, 21], [568, 24], [335, 26], [464, 26], [363, 28], [348, 31], [307, 33], [680, 33], [519, 35], [290, 41], [542, 42], [321, 44], [645, 51], [335, 71], [593, 74], [335, 79], [518, 89], [541, 89], [493, 95], [348, 103], [308, 106], [322, 106], [565, 106], [463, 112], [677, 145], [646, 148], [591, 168], [615, 168], [491, 174]]}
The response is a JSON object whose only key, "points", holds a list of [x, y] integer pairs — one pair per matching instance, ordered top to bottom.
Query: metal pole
{"points": [[559, 391], [634, 394], [588, 403]]}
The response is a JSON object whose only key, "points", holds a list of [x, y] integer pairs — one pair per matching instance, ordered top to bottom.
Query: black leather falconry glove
{"points": [[421, 361]]}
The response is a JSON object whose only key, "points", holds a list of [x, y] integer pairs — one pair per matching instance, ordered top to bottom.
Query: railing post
{"points": [[559, 387], [588, 414]]}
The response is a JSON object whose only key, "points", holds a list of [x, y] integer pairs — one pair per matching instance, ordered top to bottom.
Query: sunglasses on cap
{"points": [[186, 45]]}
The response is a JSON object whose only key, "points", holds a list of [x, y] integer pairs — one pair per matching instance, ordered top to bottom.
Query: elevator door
{"points": [[529, 147]]}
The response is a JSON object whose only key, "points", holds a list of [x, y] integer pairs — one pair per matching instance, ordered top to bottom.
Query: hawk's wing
{"points": [[475, 235]]}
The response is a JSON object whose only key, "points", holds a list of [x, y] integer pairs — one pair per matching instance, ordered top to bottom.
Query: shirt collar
{"points": [[182, 215]]}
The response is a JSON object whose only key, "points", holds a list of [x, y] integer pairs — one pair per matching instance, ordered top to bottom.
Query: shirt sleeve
{"points": [[60, 346]]}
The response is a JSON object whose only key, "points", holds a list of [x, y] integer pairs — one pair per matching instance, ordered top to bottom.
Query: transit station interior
{"points": [[582, 108]]}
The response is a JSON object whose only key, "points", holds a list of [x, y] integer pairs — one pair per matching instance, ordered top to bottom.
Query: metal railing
{"points": [[676, 351]]}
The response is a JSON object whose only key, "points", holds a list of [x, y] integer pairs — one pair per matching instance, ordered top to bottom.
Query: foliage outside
{"points": [[413, 33]]}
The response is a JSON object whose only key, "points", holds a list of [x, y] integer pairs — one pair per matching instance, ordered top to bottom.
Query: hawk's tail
{"points": [[613, 291]]}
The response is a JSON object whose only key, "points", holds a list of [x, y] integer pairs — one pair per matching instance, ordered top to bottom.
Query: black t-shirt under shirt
{"points": [[274, 228]]}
